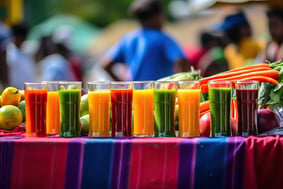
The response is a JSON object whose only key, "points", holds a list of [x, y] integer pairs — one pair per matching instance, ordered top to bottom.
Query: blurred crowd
{"points": [[148, 53], [51, 61]]}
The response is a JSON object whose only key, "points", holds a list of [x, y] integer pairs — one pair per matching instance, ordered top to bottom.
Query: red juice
{"points": [[121, 100], [36, 101], [247, 111]]}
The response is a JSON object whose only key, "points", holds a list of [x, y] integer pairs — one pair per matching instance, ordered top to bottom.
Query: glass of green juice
{"points": [[164, 96], [69, 100], [220, 102]]}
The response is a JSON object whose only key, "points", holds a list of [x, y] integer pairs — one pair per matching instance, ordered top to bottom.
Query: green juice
{"points": [[220, 100], [164, 108], [69, 113]]}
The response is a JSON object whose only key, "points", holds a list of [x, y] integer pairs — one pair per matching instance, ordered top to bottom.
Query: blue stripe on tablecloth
{"points": [[187, 158], [6, 160], [97, 163], [210, 163], [235, 163], [74, 164], [121, 164]]}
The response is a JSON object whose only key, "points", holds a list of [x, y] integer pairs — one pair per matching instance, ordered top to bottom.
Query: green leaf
{"points": [[264, 93]]}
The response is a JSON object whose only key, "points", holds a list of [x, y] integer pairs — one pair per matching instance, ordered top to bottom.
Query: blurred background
{"points": [[88, 28]]}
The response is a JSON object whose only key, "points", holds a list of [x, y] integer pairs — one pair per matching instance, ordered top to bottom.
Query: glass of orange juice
{"points": [[188, 100], [143, 105], [53, 108], [99, 108]]}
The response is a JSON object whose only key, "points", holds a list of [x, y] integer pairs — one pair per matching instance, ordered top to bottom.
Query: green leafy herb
{"points": [[264, 93]]}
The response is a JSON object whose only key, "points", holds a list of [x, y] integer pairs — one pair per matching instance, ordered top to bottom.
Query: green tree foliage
{"points": [[97, 12]]}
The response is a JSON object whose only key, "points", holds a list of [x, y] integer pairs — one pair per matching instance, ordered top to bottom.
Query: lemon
{"points": [[10, 96], [10, 117]]}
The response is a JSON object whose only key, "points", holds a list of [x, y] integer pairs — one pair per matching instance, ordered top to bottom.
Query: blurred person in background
{"points": [[4, 39], [61, 39], [274, 47], [243, 49], [149, 53], [209, 58], [52, 65], [20, 66]]}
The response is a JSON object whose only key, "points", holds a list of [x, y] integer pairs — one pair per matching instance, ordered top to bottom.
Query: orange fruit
{"points": [[10, 96], [10, 117]]}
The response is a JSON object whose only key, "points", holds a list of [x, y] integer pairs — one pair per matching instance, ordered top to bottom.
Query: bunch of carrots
{"points": [[259, 72]]}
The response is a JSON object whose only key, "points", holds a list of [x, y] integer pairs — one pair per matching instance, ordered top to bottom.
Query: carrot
{"points": [[249, 67], [269, 73], [231, 74], [261, 79], [204, 88], [204, 106], [234, 109]]}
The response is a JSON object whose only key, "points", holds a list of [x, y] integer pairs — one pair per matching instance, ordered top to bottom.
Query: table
{"points": [[228, 162]]}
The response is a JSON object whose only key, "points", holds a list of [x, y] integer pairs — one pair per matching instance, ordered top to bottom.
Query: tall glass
{"points": [[247, 95], [69, 99], [36, 100], [121, 101], [188, 101], [220, 102], [143, 108], [164, 108], [53, 109], [99, 109]]}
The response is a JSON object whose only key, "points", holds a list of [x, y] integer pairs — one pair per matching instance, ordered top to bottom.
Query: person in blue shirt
{"points": [[149, 53]]}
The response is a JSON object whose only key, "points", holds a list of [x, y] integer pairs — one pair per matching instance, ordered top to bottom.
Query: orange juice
{"points": [[189, 100], [143, 112], [53, 113], [99, 113]]}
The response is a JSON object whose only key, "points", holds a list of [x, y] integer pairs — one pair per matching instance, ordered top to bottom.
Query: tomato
{"points": [[204, 125]]}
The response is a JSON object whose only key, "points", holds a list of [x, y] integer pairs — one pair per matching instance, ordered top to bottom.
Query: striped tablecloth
{"points": [[234, 162]]}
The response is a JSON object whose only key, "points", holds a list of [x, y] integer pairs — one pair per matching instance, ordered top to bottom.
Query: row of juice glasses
{"points": [[220, 104], [153, 106], [53, 108]]}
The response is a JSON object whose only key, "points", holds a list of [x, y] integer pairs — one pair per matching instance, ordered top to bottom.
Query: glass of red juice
{"points": [[247, 96], [36, 100], [121, 101]]}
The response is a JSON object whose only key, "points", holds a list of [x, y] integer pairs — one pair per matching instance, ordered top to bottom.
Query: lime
{"points": [[84, 105], [22, 107], [10, 117], [84, 124]]}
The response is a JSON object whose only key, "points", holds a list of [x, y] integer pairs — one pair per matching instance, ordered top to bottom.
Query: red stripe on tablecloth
{"points": [[263, 162], [39, 163], [154, 163]]}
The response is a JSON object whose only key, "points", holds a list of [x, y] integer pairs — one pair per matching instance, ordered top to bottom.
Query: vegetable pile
{"points": [[270, 77]]}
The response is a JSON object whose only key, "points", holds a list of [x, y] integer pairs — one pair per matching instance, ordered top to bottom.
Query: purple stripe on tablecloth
{"points": [[6, 159], [187, 160], [234, 163], [74, 164], [121, 164]]}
